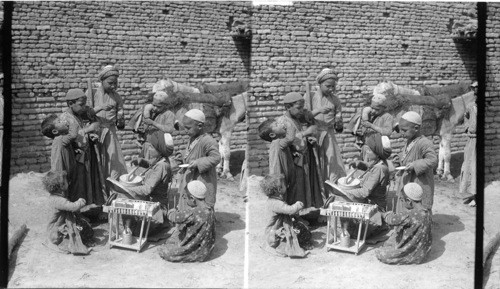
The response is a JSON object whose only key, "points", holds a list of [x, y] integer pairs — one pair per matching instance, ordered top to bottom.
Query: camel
{"points": [[229, 101], [447, 107]]}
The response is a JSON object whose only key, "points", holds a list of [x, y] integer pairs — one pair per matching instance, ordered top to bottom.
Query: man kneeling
{"points": [[412, 239]]}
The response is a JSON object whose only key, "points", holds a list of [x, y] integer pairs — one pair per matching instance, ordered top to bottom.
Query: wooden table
{"points": [[119, 207], [357, 211]]}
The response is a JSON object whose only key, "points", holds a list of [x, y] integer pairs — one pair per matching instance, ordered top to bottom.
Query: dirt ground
{"points": [[34, 265], [449, 265]]}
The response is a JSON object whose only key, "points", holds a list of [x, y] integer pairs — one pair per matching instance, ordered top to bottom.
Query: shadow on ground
{"points": [[442, 226]]}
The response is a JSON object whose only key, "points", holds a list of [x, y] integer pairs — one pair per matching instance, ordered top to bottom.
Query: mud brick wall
{"points": [[407, 43], [59, 45], [492, 101]]}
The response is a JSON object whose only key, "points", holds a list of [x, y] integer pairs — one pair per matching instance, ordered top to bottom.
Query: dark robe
{"points": [[196, 234]]}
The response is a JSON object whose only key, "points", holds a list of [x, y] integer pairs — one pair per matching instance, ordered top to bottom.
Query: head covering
{"points": [[107, 71], [325, 74], [474, 84], [74, 93], [161, 96], [292, 97], [378, 98], [196, 114], [412, 117], [163, 143], [380, 145], [197, 189], [413, 191]]}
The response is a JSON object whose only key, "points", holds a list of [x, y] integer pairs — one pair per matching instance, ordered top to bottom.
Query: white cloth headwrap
{"points": [[161, 96], [196, 114]]}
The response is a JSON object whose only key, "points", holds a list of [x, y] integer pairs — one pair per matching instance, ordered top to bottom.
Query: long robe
{"points": [[205, 150], [421, 153], [62, 158], [112, 160], [281, 161], [331, 163], [468, 171], [88, 183], [307, 187], [154, 188], [279, 230], [196, 234], [412, 239]]}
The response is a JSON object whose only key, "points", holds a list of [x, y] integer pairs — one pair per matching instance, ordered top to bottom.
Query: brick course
{"points": [[59, 45]]}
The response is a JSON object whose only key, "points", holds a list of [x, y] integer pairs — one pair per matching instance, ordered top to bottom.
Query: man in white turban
{"points": [[419, 158]]}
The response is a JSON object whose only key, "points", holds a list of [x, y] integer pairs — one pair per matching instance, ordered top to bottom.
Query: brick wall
{"points": [[407, 43], [59, 45], [492, 101]]}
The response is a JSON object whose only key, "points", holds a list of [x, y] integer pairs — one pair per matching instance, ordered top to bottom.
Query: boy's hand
{"points": [[107, 107], [148, 121], [367, 124], [193, 165], [410, 167], [82, 201], [300, 204]]}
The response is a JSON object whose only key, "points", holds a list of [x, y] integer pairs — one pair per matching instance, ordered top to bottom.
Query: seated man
{"points": [[374, 181], [154, 186], [412, 239]]}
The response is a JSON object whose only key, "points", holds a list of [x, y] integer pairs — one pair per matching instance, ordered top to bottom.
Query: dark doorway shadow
{"points": [[236, 162], [226, 222], [442, 226]]}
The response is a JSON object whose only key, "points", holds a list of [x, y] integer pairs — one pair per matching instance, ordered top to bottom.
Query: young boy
{"points": [[202, 156], [280, 156], [62, 157], [419, 158], [196, 228], [66, 229], [280, 232], [412, 239]]}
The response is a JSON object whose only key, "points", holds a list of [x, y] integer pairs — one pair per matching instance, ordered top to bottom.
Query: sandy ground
{"points": [[34, 265], [449, 265]]}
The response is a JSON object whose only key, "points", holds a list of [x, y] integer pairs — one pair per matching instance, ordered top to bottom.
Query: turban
{"points": [[107, 71], [325, 74], [474, 84], [74, 93], [161, 96], [292, 97], [378, 98], [196, 114], [412, 117], [163, 143], [380, 145], [197, 189], [413, 191]]}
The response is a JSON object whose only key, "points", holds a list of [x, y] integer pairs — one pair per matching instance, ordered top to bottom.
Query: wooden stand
{"points": [[120, 207], [357, 211]]}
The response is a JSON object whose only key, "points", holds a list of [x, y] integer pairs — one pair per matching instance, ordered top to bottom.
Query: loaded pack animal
{"points": [[224, 106], [442, 109]]}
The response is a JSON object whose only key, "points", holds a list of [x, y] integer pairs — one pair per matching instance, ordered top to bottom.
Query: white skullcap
{"points": [[161, 96], [196, 114], [412, 117], [386, 142], [197, 189], [413, 191]]}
